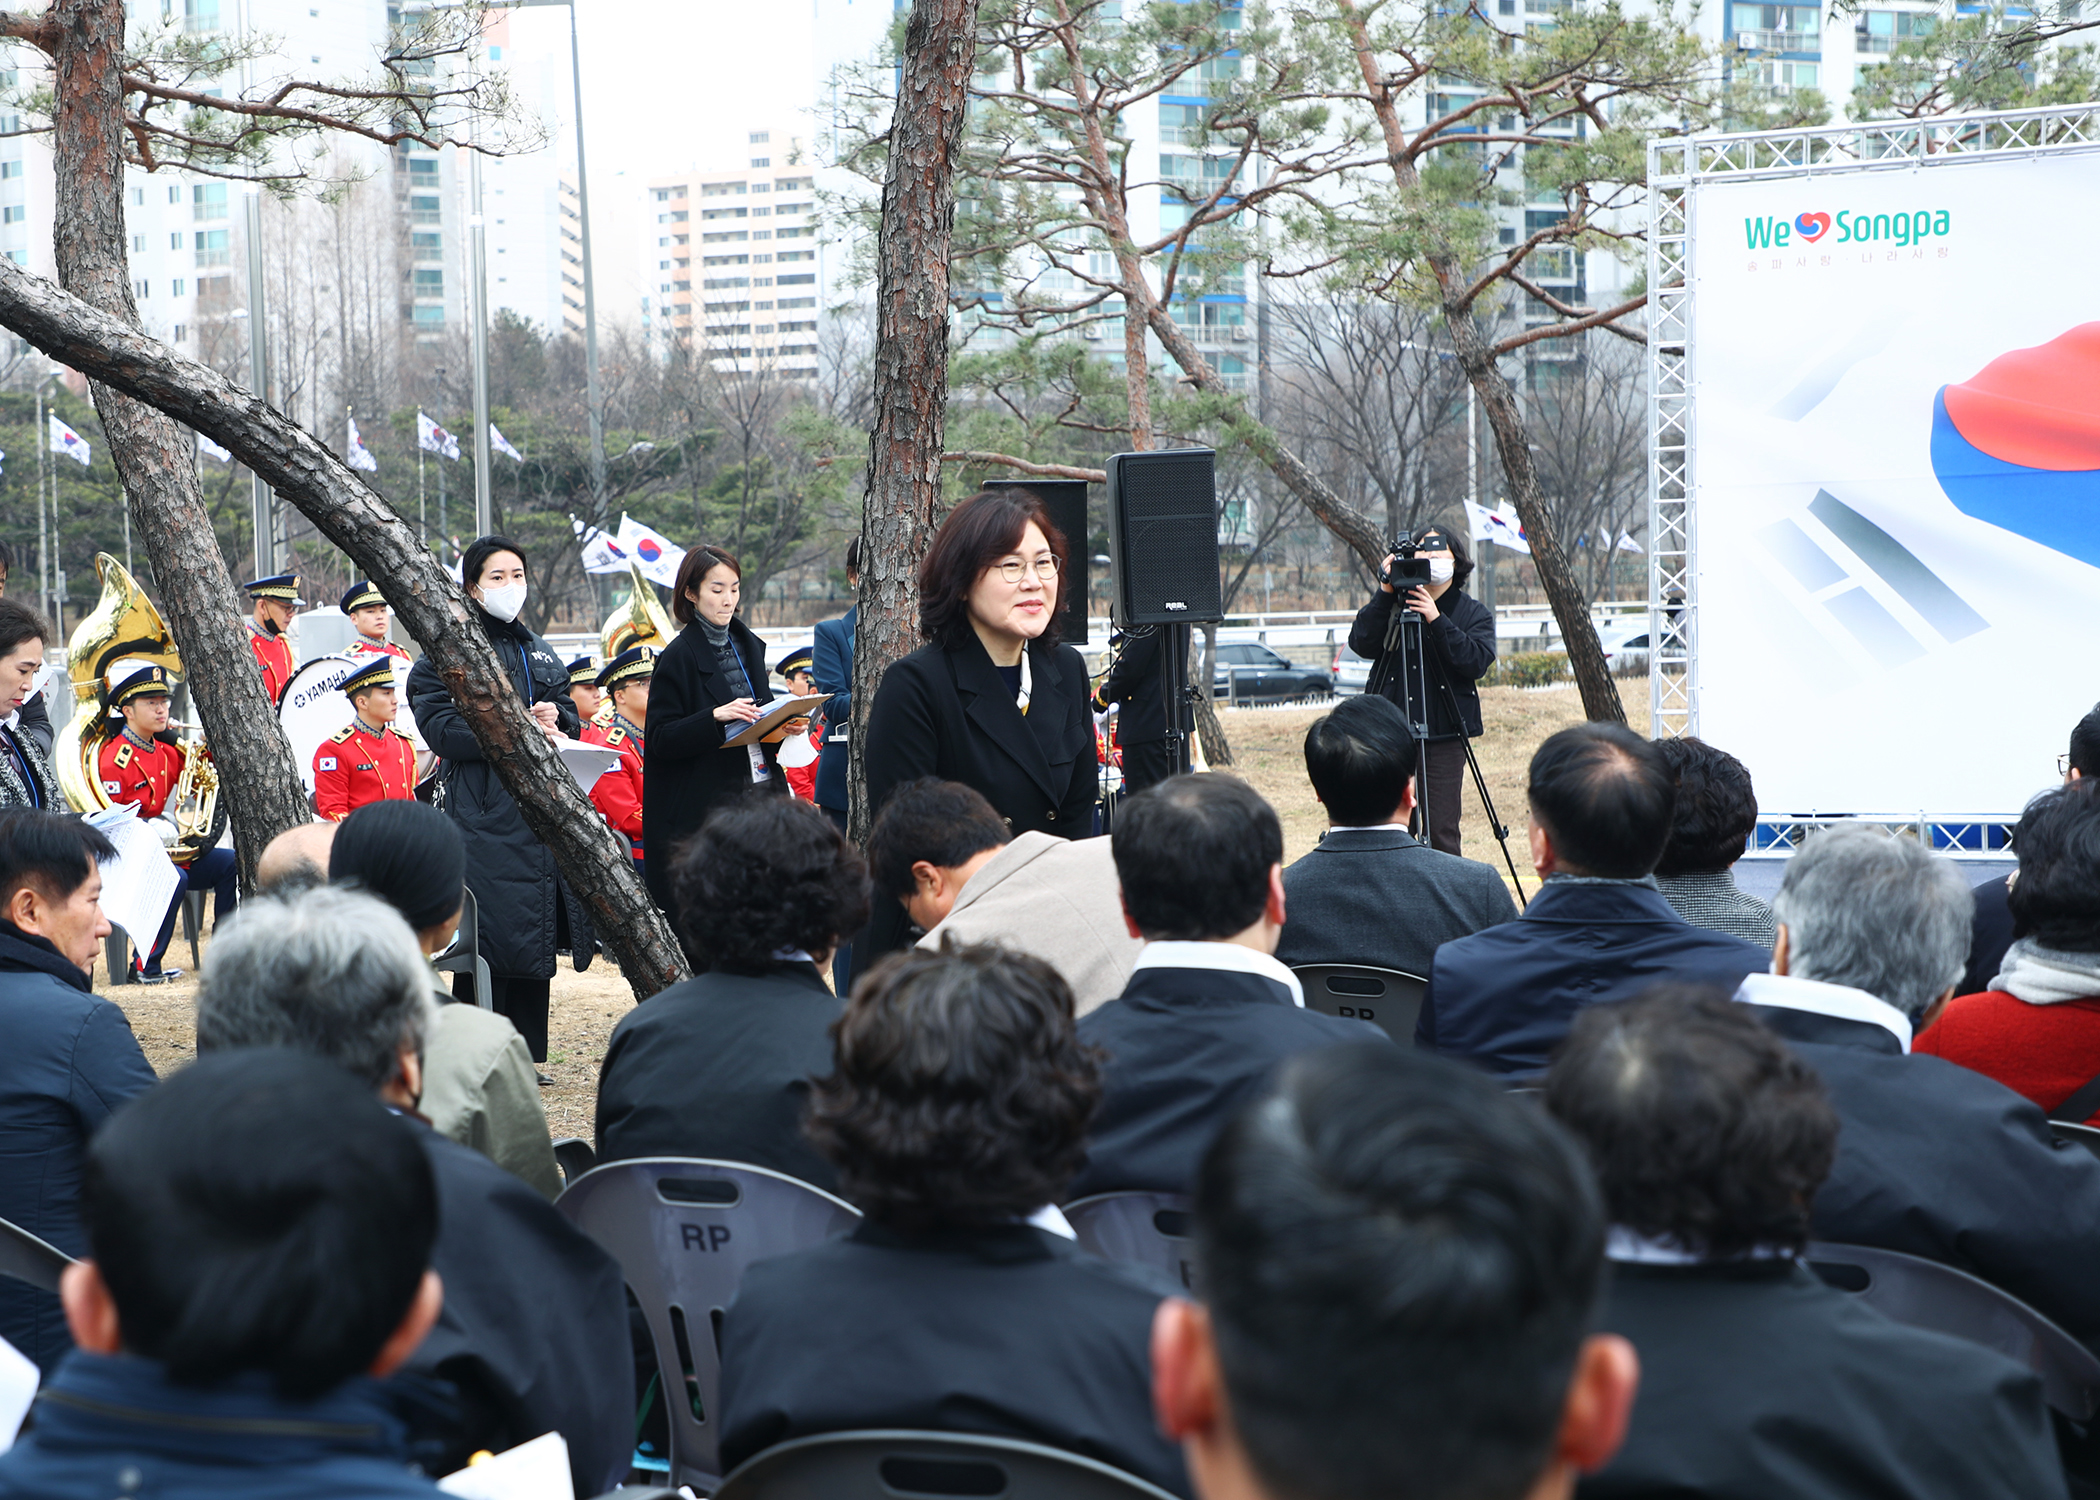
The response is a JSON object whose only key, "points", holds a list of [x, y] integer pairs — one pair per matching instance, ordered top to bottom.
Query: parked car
{"points": [[1625, 644], [1252, 673], [1352, 674]]}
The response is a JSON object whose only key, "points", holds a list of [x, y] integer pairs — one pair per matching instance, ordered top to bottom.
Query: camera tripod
{"points": [[1407, 652]]}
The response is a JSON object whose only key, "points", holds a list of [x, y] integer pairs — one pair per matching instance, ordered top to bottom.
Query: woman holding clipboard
{"points": [[710, 683]]}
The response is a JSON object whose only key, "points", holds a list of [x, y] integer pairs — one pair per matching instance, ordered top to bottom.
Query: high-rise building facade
{"points": [[731, 263]]}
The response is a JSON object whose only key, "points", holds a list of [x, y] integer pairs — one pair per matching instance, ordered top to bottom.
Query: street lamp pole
{"points": [[590, 292], [259, 381]]}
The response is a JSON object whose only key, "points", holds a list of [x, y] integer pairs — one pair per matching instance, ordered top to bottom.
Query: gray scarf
{"points": [[725, 652], [2047, 976]]}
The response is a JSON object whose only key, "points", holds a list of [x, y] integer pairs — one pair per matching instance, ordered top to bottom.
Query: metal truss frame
{"points": [[1675, 166]]}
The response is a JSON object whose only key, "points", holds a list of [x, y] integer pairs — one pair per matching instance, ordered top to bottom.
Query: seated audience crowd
{"points": [[1710, 1139], [322, 1260]]}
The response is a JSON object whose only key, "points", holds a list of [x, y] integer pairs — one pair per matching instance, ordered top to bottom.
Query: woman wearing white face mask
{"points": [[1458, 638], [525, 913]]}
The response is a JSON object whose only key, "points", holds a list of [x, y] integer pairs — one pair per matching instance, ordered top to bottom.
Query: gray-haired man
{"points": [[1932, 1159], [533, 1334]]}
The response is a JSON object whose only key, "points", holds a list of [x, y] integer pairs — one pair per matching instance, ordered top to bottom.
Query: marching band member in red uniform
{"points": [[276, 599], [368, 612], [584, 691], [799, 751], [367, 760], [140, 768], [618, 793]]}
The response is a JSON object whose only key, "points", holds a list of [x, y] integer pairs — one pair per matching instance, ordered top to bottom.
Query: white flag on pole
{"points": [[432, 438], [65, 440], [502, 445], [211, 449], [359, 456], [1500, 527], [1628, 544], [657, 553], [601, 554]]}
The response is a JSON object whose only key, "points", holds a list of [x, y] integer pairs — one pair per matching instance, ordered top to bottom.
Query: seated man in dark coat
{"points": [[1601, 802], [1369, 893], [1208, 1011], [70, 1056], [719, 1066], [956, 1114], [1709, 1138], [1933, 1160], [260, 1229], [1401, 1267], [533, 1337]]}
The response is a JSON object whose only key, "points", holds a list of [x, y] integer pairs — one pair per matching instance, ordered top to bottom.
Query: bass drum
{"points": [[313, 708]]}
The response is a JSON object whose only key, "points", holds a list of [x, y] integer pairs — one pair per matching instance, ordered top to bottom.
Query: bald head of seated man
{"points": [[296, 858]]}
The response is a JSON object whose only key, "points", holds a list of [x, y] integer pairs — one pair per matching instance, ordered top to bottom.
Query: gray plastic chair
{"points": [[464, 956], [1387, 998], [2076, 1135], [575, 1156], [1147, 1229], [683, 1231], [27, 1258], [1926, 1294], [927, 1466]]}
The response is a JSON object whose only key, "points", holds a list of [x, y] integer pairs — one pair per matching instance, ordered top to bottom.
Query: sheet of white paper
{"points": [[586, 762], [140, 882], [17, 1391], [538, 1470]]}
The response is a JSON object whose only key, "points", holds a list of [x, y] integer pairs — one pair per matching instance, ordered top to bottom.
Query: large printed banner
{"points": [[1896, 480]]}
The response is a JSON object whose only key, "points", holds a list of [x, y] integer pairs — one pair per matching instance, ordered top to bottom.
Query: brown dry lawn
{"points": [[1267, 749]]}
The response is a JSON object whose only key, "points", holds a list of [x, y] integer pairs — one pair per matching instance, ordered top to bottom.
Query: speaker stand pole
{"points": [[1174, 687]]}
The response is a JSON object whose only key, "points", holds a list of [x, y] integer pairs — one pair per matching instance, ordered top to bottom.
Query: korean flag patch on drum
{"points": [[326, 763]]}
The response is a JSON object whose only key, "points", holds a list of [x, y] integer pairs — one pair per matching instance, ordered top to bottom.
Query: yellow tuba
{"points": [[125, 626], [624, 628]]}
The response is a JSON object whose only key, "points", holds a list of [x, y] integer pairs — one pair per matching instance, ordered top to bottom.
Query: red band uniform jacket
{"points": [[353, 766], [140, 775], [618, 793]]}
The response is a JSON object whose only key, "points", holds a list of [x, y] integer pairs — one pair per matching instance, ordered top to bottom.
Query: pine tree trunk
{"points": [[156, 460], [293, 462], [902, 509], [1571, 607]]}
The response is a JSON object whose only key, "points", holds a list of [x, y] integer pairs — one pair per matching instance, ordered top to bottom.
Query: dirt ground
{"points": [[1268, 749]]}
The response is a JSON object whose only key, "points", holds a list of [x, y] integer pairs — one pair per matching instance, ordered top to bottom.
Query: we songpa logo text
{"points": [[1848, 228]]}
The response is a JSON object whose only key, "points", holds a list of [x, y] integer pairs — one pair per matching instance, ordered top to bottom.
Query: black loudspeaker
{"points": [[1065, 499], [1163, 537]]}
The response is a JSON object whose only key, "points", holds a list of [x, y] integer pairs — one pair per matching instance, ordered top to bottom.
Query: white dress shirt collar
{"points": [[1230, 957], [1835, 1000]]}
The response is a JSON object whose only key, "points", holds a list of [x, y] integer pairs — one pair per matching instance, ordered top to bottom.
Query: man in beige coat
{"points": [[941, 850]]}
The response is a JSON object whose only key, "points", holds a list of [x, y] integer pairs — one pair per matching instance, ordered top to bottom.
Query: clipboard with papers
{"points": [[779, 712]]}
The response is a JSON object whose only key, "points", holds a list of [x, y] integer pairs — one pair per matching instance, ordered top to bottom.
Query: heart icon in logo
{"points": [[1813, 226]]}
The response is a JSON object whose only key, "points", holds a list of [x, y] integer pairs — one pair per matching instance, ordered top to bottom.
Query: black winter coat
{"points": [[1460, 644], [1134, 682], [947, 712], [686, 769], [521, 901], [69, 1063], [719, 1067]]}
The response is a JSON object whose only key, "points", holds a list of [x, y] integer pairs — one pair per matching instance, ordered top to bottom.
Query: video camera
{"points": [[1405, 571]]}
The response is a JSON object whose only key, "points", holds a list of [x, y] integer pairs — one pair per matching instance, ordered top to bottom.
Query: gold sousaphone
{"points": [[641, 621], [126, 627]]}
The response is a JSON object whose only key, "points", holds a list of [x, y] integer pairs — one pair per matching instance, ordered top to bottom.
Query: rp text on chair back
{"points": [[1387, 998], [683, 1231]]}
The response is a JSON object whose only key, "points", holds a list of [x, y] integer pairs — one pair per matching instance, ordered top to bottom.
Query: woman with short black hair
{"points": [[710, 683], [994, 700], [524, 911], [719, 1065], [956, 1114]]}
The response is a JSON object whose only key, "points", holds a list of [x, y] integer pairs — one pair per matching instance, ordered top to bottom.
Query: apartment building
{"points": [[730, 257]]}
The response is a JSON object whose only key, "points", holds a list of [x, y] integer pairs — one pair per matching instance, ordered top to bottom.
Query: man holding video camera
{"points": [[1458, 646]]}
